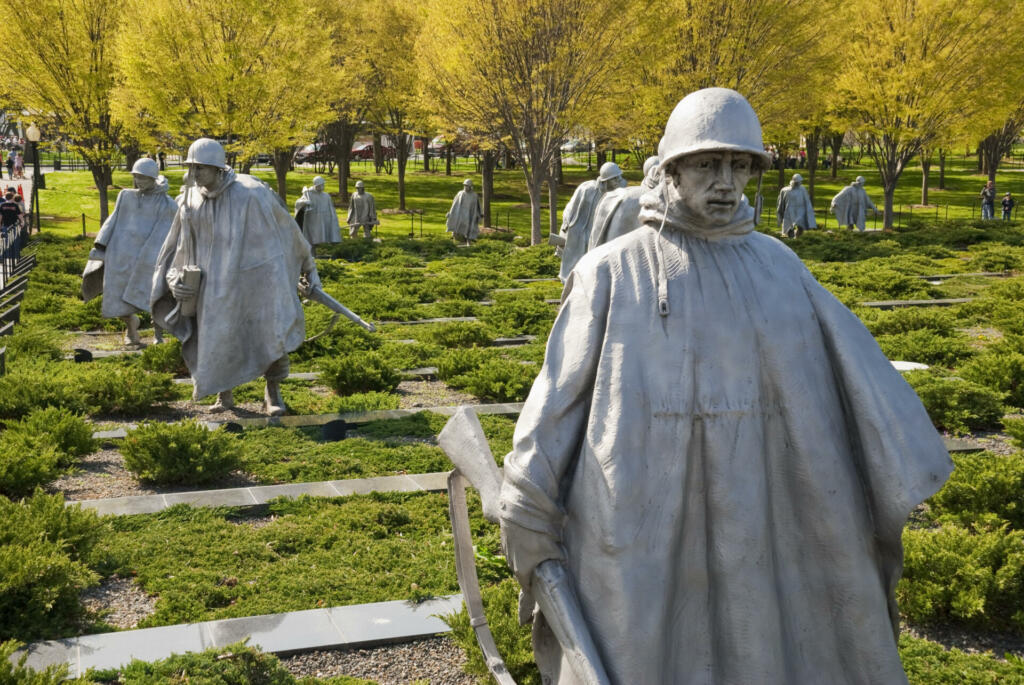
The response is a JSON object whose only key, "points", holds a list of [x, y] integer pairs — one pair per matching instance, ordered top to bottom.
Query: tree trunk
{"points": [[341, 135], [402, 141], [424, 143], [835, 143], [813, 145], [378, 153], [131, 155], [602, 157], [448, 159], [282, 161], [781, 162], [926, 165], [558, 168], [942, 168], [535, 174], [101, 176], [487, 181], [889, 189], [553, 198]]}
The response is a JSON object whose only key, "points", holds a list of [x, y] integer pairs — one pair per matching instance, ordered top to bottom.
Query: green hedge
{"points": [[185, 452]]}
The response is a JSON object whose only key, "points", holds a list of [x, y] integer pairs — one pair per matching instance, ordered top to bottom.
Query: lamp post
{"points": [[38, 180]]}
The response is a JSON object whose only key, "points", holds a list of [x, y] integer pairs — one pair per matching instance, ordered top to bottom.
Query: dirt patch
{"points": [[417, 394], [119, 601]]}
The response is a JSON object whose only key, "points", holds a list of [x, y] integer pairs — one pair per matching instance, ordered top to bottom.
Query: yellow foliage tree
{"points": [[59, 65], [914, 70], [525, 72], [258, 75]]}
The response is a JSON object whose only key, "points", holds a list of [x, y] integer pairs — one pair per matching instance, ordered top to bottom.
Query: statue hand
{"points": [[97, 253], [182, 291]]}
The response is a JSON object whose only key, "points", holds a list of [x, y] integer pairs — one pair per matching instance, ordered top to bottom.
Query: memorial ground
{"points": [[962, 595]]}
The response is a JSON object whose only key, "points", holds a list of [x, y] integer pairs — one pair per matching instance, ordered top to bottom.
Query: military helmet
{"points": [[712, 120], [206, 151], [650, 163], [146, 167], [609, 170], [796, 178], [860, 180], [319, 181], [468, 183], [360, 184]]}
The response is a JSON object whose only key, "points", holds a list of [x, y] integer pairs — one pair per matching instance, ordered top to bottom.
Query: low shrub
{"points": [[519, 314], [906, 319], [460, 334], [32, 341], [926, 347], [164, 358], [459, 361], [999, 369], [366, 372], [498, 379], [81, 388], [366, 401], [955, 404], [1014, 427], [71, 433], [185, 452], [27, 462], [980, 486], [44, 547], [951, 573], [930, 663], [15, 672]]}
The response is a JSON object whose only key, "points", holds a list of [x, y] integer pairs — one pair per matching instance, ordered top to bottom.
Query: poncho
{"points": [[850, 206], [795, 208], [362, 210], [617, 214], [577, 218], [463, 219], [319, 220], [132, 235], [251, 253], [726, 483]]}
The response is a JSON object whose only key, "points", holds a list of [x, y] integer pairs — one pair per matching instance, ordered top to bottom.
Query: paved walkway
{"points": [[359, 625]]}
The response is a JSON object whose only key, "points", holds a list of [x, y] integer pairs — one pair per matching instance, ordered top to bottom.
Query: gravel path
{"points": [[416, 394], [102, 474], [124, 602], [971, 641], [437, 661]]}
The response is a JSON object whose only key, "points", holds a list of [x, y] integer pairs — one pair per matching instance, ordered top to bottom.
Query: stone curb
{"points": [[358, 625]]}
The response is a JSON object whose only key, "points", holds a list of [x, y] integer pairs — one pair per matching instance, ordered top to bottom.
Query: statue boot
{"points": [[131, 334], [158, 334], [225, 401], [273, 403]]}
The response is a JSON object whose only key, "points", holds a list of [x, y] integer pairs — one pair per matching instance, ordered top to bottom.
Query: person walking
{"points": [[10, 163], [988, 200], [1008, 204]]}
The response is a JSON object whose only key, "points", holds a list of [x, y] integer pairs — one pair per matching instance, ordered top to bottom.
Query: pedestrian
{"points": [[10, 163], [19, 165], [988, 200], [1008, 204], [10, 215]]}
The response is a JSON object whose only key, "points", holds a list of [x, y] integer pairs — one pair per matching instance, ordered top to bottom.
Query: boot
{"points": [[131, 334], [158, 334], [225, 401], [273, 403]]}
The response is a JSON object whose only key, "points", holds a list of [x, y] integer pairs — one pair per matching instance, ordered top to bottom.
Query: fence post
{"points": [[83, 224]]}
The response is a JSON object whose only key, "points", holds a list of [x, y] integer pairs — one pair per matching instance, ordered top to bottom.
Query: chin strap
{"points": [[758, 199]]}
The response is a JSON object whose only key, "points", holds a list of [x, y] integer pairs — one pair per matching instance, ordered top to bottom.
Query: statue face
{"points": [[204, 175], [143, 182], [711, 184]]}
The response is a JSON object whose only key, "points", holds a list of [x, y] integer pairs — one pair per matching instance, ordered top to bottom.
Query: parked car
{"points": [[575, 145], [365, 151], [314, 152]]}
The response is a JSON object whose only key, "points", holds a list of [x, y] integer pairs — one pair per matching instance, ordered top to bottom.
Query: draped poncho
{"points": [[463, 219], [319, 220], [132, 236], [251, 253], [726, 482]]}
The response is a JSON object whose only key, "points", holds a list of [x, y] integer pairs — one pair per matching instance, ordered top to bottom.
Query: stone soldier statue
{"points": [[850, 205], [618, 211], [314, 212], [361, 212], [795, 212], [578, 216], [463, 219], [125, 250], [226, 280], [715, 451]]}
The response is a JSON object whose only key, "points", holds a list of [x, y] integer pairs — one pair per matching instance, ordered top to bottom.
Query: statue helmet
{"points": [[712, 120], [206, 151], [650, 163], [146, 167], [609, 170], [796, 178], [860, 180], [319, 181], [468, 183], [360, 184]]}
